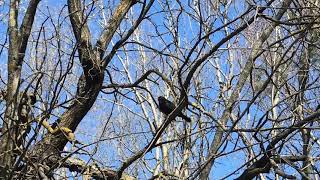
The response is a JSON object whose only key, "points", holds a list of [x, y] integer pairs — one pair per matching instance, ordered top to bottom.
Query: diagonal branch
{"points": [[26, 25], [113, 25], [216, 143], [263, 165]]}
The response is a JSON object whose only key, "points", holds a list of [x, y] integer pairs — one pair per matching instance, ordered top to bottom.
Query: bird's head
{"points": [[161, 99]]}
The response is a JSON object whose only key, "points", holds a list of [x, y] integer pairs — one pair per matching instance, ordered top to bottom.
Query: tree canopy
{"points": [[81, 80]]}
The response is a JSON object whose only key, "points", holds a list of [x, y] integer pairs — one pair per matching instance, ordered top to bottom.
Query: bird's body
{"points": [[166, 107]]}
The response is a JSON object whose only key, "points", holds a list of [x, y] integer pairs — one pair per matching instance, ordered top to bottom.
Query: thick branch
{"points": [[27, 23], [79, 24], [113, 24], [89, 84], [7, 157], [92, 170]]}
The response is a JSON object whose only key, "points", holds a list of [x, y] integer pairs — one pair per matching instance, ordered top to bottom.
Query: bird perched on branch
{"points": [[167, 107]]}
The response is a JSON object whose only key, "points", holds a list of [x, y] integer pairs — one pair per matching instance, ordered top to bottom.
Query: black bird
{"points": [[167, 107]]}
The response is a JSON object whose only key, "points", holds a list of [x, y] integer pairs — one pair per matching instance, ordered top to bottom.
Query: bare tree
{"points": [[80, 87]]}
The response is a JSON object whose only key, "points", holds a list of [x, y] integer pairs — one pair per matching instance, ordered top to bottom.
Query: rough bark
{"points": [[18, 39], [48, 150]]}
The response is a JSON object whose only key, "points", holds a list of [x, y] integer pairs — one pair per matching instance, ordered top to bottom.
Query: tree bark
{"points": [[17, 47]]}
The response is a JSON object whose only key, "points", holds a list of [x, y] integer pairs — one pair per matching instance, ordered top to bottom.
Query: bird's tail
{"points": [[186, 118]]}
